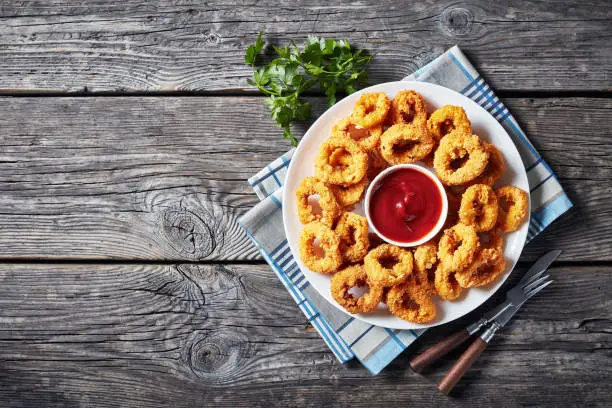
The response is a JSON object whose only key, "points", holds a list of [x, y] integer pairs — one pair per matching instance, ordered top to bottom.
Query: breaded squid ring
{"points": [[408, 107], [371, 109], [447, 119], [366, 138], [403, 143], [465, 149], [494, 169], [330, 170], [349, 195], [479, 207], [513, 208], [330, 209], [352, 229], [492, 239], [328, 242], [457, 247], [425, 263], [388, 265], [486, 267], [348, 278], [446, 284], [411, 303]]}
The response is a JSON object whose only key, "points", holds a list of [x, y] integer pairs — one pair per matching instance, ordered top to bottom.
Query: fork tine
{"points": [[540, 265], [528, 279], [535, 283], [539, 288]]}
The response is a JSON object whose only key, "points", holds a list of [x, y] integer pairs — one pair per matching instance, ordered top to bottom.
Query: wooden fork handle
{"points": [[438, 350], [462, 365]]}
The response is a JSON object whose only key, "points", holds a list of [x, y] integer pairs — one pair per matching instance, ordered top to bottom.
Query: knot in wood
{"points": [[457, 21], [213, 39], [188, 233], [217, 356]]}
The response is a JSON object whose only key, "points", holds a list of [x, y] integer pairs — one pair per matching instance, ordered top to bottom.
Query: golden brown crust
{"points": [[408, 107], [371, 109], [448, 119], [366, 138], [403, 143], [460, 158], [494, 169], [331, 170], [349, 195], [479, 207], [513, 208], [330, 209], [352, 229], [329, 243], [457, 247], [425, 264], [388, 265], [348, 278], [411, 303]]}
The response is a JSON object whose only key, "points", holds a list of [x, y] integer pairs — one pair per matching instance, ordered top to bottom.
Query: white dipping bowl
{"points": [[376, 182]]}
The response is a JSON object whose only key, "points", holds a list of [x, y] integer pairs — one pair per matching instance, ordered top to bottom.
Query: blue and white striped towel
{"points": [[347, 337]]}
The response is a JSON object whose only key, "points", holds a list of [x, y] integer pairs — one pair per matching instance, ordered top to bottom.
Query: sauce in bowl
{"points": [[407, 205]]}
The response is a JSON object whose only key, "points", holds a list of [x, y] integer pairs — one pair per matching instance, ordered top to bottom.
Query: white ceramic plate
{"points": [[483, 124]]}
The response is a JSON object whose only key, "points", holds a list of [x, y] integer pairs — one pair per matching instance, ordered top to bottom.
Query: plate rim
{"points": [[285, 211]]}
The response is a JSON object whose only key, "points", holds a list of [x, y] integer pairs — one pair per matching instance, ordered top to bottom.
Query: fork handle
{"points": [[438, 350], [462, 365]]}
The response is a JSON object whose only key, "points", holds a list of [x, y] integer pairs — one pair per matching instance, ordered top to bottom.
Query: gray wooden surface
{"points": [[127, 132]]}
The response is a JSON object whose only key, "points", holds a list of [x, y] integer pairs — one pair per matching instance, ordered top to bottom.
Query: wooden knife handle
{"points": [[438, 350], [462, 365]]}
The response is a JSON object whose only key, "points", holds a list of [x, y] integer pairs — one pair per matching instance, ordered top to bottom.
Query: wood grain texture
{"points": [[174, 45], [165, 178], [185, 335]]}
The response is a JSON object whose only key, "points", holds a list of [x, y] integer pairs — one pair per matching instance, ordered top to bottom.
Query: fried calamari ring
{"points": [[408, 107], [371, 109], [447, 119], [366, 138], [403, 143], [460, 158], [376, 164], [330, 168], [494, 169], [349, 195], [479, 207], [513, 208], [330, 209], [352, 229], [491, 239], [329, 244], [457, 247], [425, 263], [388, 265], [487, 266], [348, 278], [446, 284], [411, 303]]}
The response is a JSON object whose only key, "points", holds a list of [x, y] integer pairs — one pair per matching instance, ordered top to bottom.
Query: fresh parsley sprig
{"points": [[332, 65]]}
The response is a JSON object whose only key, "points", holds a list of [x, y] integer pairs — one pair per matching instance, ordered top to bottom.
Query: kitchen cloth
{"points": [[346, 336]]}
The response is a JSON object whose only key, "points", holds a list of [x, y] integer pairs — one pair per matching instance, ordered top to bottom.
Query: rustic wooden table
{"points": [[127, 133]]}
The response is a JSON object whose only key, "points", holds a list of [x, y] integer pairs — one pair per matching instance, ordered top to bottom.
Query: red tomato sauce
{"points": [[406, 205]]}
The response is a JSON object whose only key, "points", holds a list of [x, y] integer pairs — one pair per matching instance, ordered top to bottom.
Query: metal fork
{"points": [[532, 283]]}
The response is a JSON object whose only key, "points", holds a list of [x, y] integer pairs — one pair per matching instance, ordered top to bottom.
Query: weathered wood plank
{"points": [[161, 45], [165, 178], [110, 335]]}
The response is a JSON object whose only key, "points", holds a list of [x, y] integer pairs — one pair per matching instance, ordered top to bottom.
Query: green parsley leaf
{"points": [[254, 50], [330, 64]]}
